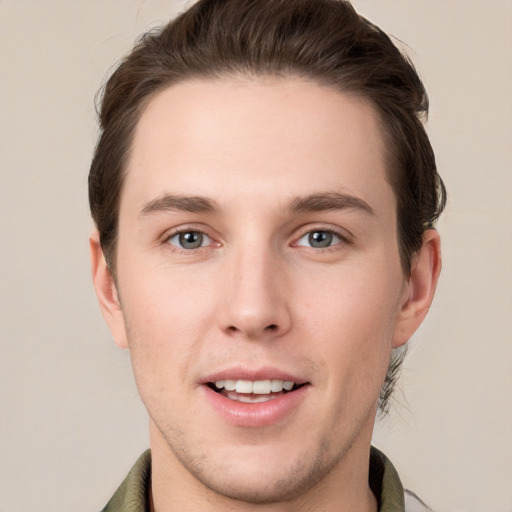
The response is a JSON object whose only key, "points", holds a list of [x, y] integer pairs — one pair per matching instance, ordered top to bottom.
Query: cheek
{"points": [[162, 296], [167, 315], [351, 316]]}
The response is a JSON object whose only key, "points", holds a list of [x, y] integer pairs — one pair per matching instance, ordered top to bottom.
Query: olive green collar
{"points": [[385, 483]]}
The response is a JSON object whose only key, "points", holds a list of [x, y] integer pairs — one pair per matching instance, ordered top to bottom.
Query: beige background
{"points": [[71, 423]]}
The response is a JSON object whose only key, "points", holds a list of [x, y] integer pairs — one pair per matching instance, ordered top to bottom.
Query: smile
{"points": [[256, 391]]}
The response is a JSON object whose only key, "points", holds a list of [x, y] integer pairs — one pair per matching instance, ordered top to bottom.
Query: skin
{"points": [[256, 293]]}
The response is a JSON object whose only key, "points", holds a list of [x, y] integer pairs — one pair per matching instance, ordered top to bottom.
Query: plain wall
{"points": [[71, 422]]}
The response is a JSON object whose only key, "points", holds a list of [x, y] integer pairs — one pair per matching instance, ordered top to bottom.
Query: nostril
{"points": [[233, 329]]}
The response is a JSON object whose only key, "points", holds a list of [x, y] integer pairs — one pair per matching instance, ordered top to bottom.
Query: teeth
{"points": [[230, 385], [288, 385], [243, 386], [276, 386], [257, 387], [262, 387], [250, 399]]}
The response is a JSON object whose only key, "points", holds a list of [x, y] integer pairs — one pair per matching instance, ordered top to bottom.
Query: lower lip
{"points": [[254, 415]]}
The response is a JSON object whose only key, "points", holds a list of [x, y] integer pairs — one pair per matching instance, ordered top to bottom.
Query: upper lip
{"points": [[266, 373]]}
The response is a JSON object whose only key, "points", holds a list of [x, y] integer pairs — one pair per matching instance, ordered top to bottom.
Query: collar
{"points": [[133, 494]]}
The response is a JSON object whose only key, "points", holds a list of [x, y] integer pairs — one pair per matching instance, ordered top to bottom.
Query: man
{"points": [[264, 195]]}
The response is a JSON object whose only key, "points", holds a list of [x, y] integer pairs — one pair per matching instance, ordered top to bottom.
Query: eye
{"points": [[319, 239], [189, 240]]}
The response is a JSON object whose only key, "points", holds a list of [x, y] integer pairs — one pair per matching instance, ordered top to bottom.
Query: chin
{"points": [[264, 479], [260, 489]]}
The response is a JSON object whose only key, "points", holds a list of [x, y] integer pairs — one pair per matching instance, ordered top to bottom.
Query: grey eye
{"points": [[319, 239], [189, 240]]}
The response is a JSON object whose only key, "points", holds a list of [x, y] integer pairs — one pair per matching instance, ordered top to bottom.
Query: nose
{"points": [[254, 301]]}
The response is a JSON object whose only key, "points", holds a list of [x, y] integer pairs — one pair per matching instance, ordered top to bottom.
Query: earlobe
{"points": [[420, 288], [106, 292]]}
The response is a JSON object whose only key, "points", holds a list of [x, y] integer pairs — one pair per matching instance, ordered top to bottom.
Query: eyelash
{"points": [[187, 230], [343, 238]]}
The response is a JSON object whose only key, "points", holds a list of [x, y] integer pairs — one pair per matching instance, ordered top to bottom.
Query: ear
{"points": [[419, 289], [106, 292]]}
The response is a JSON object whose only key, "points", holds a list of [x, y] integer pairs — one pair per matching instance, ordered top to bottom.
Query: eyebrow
{"points": [[329, 201], [173, 203], [311, 203]]}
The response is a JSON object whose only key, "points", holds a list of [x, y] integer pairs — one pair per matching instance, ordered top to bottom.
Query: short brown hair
{"points": [[324, 41]]}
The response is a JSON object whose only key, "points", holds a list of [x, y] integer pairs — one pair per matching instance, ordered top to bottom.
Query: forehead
{"points": [[284, 136]]}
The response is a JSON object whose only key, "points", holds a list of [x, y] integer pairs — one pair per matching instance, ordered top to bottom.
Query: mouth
{"points": [[254, 391], [255, 398]]}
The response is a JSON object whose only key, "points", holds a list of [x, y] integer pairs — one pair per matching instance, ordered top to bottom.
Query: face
{"points": [[259, 280]]}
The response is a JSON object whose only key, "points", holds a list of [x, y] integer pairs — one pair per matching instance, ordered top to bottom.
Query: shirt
{"points": [[133, 494]]}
